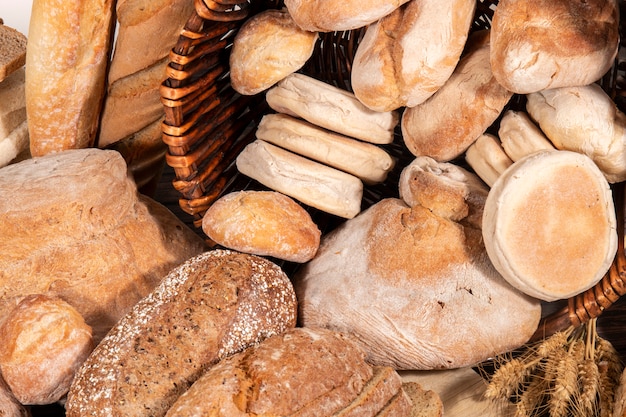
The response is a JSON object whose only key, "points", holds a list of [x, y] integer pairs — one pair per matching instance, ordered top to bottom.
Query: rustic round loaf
{"points": [[268, 47], [266, 223], [549, 224], [44, 342]]}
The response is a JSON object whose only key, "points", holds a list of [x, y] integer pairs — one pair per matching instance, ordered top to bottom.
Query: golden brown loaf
{"points": [[543, 44], [268, 47], [409, 54], [66, 62], [446, 124], [266, 223], [546, 237], [210, 307], [44, 341], [302, 372], [9, 406]]}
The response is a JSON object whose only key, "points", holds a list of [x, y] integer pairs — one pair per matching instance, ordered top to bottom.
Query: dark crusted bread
{"points": [[214, 305]]}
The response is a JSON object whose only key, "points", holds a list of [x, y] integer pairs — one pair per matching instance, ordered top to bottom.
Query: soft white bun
{"points": [[335, 15], [540, 44], [409, 54], [332, 108], [583, 119], [520, 136], [487, 158], [367, 161], [309, 182], [549, 224]]}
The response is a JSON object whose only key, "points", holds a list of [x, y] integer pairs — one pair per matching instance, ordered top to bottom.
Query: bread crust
{"points": [[212, 306]]}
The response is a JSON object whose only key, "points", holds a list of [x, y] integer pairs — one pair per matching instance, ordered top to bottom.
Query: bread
{"points": [[333, 15], [146, 32], [69, 44], [544, 44], [268, 47], [12, 50], [409, 54], [132, 103], [332, 108], [13, 111], [583, 119], [446, 124], [520, 136], [14, 144], [487, 158], [366, 161], [309, 182], [446, 189], [265, 223], [549, 224], [91, 238], [212, 306], [445, 308], [45, 340], [301, 372], [426, 402], [9, 406], [619, 409]]}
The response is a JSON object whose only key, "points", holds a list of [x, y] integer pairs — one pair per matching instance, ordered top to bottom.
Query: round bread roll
{"points": [[335, 15], [541, 44], [268, 47], [409, 54], [583, 119], [265, 223], [549, 224], [44, 342]]}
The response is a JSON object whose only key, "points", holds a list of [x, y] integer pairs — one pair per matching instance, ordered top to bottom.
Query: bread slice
{"points": [[12, 50], [13, 102], [384, 385], [426, 403], [399, 406]]}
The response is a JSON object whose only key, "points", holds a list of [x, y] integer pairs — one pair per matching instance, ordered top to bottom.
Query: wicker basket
{"points": [[207, 124]]}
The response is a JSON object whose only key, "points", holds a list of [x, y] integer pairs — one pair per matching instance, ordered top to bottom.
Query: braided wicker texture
{"points": [[207, 124]]}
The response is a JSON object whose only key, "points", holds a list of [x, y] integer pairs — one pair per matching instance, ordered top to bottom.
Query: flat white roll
{"points": [[549, 224]]}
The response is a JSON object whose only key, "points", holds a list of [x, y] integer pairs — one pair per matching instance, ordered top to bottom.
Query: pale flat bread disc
{"points": [[549, 224]]}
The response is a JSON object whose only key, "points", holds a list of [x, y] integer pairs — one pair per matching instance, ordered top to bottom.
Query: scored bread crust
{"points": [[409, 54], [549, 224], [213, 305]]}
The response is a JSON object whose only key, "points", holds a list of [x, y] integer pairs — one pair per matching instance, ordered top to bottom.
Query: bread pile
{"points": [[13, 125]]}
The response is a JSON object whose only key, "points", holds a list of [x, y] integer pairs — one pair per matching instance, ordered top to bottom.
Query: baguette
{"points": [[68, 52], [309, 182], [212, 306]]}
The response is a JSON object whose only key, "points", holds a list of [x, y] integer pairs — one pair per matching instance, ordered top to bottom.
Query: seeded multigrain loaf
{"points": [[214, 305]]}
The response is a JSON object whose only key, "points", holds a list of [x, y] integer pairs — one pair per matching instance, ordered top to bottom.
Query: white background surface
{"points": [[16, 14]]}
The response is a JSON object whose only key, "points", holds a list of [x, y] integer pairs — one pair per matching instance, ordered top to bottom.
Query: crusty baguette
{"points": [[66, 61], [309, 182], [212, 306]]}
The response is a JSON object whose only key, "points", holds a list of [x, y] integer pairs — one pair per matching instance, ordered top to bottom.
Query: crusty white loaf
{"points": [[334, 15], [541, 44], [268, 47], [409, 54], [66, 62], [332, 108], [586, 120], [446, 124], [364, 160], [309, 182], [266, 223], [549, 224], [212, 306], [44, 341], [301, 372]]}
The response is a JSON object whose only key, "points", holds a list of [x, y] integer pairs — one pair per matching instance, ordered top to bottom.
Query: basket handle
{"points": [[591, 303]]}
